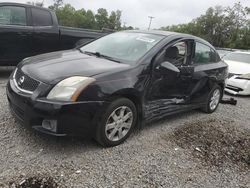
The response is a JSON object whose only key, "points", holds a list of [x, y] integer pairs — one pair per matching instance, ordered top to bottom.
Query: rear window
{"points": [[12, 15], [41, 17], [204, 54]]}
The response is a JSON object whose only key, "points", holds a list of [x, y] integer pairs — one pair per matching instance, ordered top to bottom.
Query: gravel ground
{"points": [[191, 149]]}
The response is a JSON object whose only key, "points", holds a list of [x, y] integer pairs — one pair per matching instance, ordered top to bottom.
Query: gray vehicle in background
{"points": [[27, 30]]}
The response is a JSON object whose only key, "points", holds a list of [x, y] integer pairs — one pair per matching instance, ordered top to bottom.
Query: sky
{"points": [[136, 12]]}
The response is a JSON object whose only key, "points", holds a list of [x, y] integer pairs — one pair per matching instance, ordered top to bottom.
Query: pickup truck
{"points": [[27, 30]]}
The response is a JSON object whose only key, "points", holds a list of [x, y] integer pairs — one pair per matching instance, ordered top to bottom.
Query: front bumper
{"points": [[237, 86], [73, 118]]}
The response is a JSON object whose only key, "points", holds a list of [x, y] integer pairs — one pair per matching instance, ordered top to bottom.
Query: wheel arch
{"points": [[220, 83], [222, 86], [135, 97]]}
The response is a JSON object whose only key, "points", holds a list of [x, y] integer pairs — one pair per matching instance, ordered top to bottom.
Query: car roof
{"points": [[22, 4], [156, 32], [170, 33]]}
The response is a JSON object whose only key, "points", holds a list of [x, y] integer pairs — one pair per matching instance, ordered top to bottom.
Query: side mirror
{"points": [[169, 66]]}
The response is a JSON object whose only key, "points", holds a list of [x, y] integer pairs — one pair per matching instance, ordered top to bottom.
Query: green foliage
{"points": [[56, 5], [69, 16], [102, 20], [115, 20], [90, 22], [223, 27]]}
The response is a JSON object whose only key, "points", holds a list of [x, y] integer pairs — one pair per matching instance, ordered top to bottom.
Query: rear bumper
{"points": [[238, 86], [73, 119]]}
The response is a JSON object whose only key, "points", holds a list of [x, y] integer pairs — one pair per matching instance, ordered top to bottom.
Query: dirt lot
{"points": [[191, 149]]}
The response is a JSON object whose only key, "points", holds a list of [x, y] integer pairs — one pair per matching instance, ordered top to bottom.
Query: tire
{"points": [[215, 96], [116, 123]]}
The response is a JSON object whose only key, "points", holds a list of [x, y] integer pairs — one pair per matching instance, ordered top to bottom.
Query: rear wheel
{"points": [[213, 99], [116, 123]]}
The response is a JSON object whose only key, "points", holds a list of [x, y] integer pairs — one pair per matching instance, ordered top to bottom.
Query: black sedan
{"points": [[106, 88]]}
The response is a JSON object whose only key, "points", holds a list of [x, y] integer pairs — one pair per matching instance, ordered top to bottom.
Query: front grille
{"points": [[25, 82]]}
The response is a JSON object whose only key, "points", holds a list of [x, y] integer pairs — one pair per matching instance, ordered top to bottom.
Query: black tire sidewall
{"points": [[207, 108], [100, 132]]}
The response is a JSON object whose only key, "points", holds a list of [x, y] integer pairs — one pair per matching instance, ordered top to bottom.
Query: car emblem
{"points": [[20, 81]]}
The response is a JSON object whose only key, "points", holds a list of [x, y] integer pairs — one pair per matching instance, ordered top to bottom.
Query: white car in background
{"points": [[238, 82]]}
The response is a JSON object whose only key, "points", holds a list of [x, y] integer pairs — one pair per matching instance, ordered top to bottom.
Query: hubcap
{"points": [[215, 99], [119, 123]]}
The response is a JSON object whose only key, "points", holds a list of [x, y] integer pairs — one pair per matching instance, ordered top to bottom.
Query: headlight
{"points": [[14, 73], [244, 76], [70, 88]]}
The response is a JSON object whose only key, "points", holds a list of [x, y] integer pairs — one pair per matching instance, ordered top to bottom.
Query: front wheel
{"points": [[213, 99], [116, 123]]}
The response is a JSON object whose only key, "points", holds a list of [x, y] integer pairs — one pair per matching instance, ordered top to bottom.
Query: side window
{"points": [[12, 15], [41, 17], [182, 48], [175, 54], [204, 54], [214, 57]]}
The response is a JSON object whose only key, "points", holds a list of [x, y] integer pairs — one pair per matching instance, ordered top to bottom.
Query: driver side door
{"points": [[171, 80]]}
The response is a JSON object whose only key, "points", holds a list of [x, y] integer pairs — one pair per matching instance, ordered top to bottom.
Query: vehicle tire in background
{"points": [[213, 99], [116, 123]]}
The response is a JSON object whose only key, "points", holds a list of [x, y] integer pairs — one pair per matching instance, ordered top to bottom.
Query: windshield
{"points": [[124, 46], [241, 57]]}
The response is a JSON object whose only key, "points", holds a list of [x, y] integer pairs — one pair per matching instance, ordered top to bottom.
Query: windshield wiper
{"points": [[89, 53], [98, 54], [109, 58]]}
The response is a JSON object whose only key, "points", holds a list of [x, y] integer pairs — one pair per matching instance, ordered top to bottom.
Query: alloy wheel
{"points": [[215, 99], [119, 123]]}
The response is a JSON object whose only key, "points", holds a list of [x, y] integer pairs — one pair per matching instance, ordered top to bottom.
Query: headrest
{"points": [[172, 52]]}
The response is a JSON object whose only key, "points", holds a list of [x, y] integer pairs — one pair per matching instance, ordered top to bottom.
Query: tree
{"points": [[57, 4], [66, 16], [69, 16], [101, 17], [236, 17], [90, 20], [115, 20], [223, 27]]}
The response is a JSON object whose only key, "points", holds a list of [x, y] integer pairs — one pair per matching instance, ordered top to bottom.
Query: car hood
{"points": [[53, 67], [236, 67]]}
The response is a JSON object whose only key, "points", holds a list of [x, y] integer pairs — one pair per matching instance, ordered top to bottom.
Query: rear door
{"points": [[46, 32], [15, 34], [208, 70]]}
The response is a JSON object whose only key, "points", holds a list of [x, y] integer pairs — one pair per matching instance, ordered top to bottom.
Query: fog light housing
{"points": [[50, 125]]}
